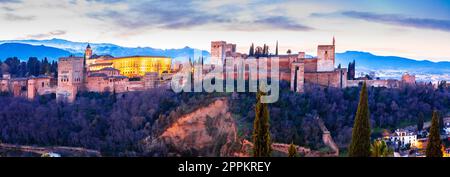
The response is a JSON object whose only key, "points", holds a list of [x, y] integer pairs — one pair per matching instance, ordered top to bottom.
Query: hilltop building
{"points": [[220, 50], [133, 66], [294, 68], [300, 70], [93, 73], [101, 73], [106, 73], [409, 79], [27, 87], [403, 137]]}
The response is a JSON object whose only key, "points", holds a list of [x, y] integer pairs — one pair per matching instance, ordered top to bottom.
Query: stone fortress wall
{"points": [[299, 70], [100, 73]]}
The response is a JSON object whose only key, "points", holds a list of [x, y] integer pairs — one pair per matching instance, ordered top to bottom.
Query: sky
{"points": [[418, 29]]}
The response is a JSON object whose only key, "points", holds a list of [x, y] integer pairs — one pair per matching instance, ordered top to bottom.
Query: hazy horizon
{"points": [[411, 29]]}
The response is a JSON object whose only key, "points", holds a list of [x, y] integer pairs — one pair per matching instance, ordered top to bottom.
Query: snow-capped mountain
{"points": [[77, 48]]}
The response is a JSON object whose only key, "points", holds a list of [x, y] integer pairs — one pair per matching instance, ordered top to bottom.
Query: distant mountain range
{"points": [[55, 48], [77, 48], [24, 51], [368, 61]]}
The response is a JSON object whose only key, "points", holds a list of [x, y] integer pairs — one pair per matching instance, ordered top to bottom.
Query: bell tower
{"points": [[88, 52], [88, 57]]}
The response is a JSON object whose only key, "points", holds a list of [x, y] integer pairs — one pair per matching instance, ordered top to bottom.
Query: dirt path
{"points": [[326, 137]]}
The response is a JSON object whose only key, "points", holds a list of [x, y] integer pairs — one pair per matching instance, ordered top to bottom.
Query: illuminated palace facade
{"points": [[132, 66], [96, 73]]}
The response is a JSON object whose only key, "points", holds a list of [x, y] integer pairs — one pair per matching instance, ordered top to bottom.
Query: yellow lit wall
{"points": [[137, 66], [97, 67]]}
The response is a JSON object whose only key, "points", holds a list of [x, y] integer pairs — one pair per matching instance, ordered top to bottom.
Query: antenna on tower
{"points": [[334, 41]]}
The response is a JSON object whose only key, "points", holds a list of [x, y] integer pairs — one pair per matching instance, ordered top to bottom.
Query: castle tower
{"points": [[217, 51], [88, 52], [326, 57], [88, 59], [71, 74], [298, 77], [31, 89]]}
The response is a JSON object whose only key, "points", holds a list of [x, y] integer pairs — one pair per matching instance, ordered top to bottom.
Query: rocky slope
{"points": [[207, 131]]}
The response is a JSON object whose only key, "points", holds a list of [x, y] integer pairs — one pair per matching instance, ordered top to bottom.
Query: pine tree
{"points": [[420, 122], [261, 134], [434, 139], [360, 143], [292, 151]]}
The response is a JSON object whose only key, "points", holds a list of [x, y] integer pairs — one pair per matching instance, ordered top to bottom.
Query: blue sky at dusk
{"points": [[409, 28]]}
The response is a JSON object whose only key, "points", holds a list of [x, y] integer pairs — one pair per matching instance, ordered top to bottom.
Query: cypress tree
{"points": [[264, 50], [251, 52], [114, 96], [420, 122], [441, 122], [261, 134], [434, 139], [360, 143], [292, 151]]}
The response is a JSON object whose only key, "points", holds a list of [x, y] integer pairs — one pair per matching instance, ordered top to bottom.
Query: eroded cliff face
{"points": [[207, 131]]}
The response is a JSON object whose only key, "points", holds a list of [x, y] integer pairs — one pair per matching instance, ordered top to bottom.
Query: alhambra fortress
{"points": [[300, 70], [102, 73]]}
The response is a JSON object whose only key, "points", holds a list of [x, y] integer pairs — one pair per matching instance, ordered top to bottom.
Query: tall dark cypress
{"points": [[251, 52], [420, 120], [441, 122], [261, 134], [360, 143], [434, 144]]}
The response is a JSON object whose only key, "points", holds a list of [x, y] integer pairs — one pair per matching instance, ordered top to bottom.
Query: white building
{"points": [[447, 128], [403, 137], [51, 154]]}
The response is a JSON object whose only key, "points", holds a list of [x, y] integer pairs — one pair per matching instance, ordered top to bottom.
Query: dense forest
{"points": [[32, 67], [292, 117], [111, 123], [115, 124]]}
